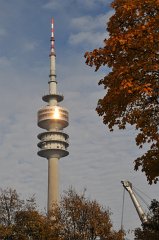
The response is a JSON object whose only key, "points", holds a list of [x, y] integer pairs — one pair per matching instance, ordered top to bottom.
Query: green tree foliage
{"points": [[132, 85], [150, 231]]}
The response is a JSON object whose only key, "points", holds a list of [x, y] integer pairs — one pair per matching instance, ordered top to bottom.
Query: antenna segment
{"points": [[52, 37]]}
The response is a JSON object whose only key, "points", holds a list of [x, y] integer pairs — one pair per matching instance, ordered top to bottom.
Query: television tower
{"points": [[53, 118]]}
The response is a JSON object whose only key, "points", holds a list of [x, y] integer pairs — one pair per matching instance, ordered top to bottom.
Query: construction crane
{"points": [[128, 186]]}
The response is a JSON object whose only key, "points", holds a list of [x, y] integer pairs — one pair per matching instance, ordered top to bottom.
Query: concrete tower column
{"points": [[53, 182]]}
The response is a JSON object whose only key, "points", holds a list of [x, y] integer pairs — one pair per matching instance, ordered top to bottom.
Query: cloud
{"points": [[84, 4], [93, 4], [54, 5], [88, 23], [89, 30], [2, 32], [89, 38], [30, 46], [4, 62]]}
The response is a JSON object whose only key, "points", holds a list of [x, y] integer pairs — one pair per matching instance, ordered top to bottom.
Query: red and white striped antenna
{"points": [[52, 37]]}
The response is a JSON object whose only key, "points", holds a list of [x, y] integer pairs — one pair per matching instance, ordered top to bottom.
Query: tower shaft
{"points": [[53, 182]]}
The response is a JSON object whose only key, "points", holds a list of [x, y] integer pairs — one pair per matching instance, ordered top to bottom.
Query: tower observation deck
{"points": [[53, 118]]}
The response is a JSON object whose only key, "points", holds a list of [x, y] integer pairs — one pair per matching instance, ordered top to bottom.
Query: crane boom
{"points": [[128, 186]]}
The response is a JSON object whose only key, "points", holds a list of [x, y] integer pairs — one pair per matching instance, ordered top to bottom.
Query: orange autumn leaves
{"points": [[132, 84], [131, 88]]}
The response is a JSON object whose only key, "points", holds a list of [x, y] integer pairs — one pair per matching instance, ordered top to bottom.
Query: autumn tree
{"points": [[132, 85], [10, 203], [75, 218], [82, 219], [21, 220], [33, 225], [151, 230]]}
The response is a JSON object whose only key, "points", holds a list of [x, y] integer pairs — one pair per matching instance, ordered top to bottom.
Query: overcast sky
{"points": [[98, 160]]}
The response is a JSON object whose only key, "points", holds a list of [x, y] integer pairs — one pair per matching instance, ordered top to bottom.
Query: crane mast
{"points": [[128, 186]]}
